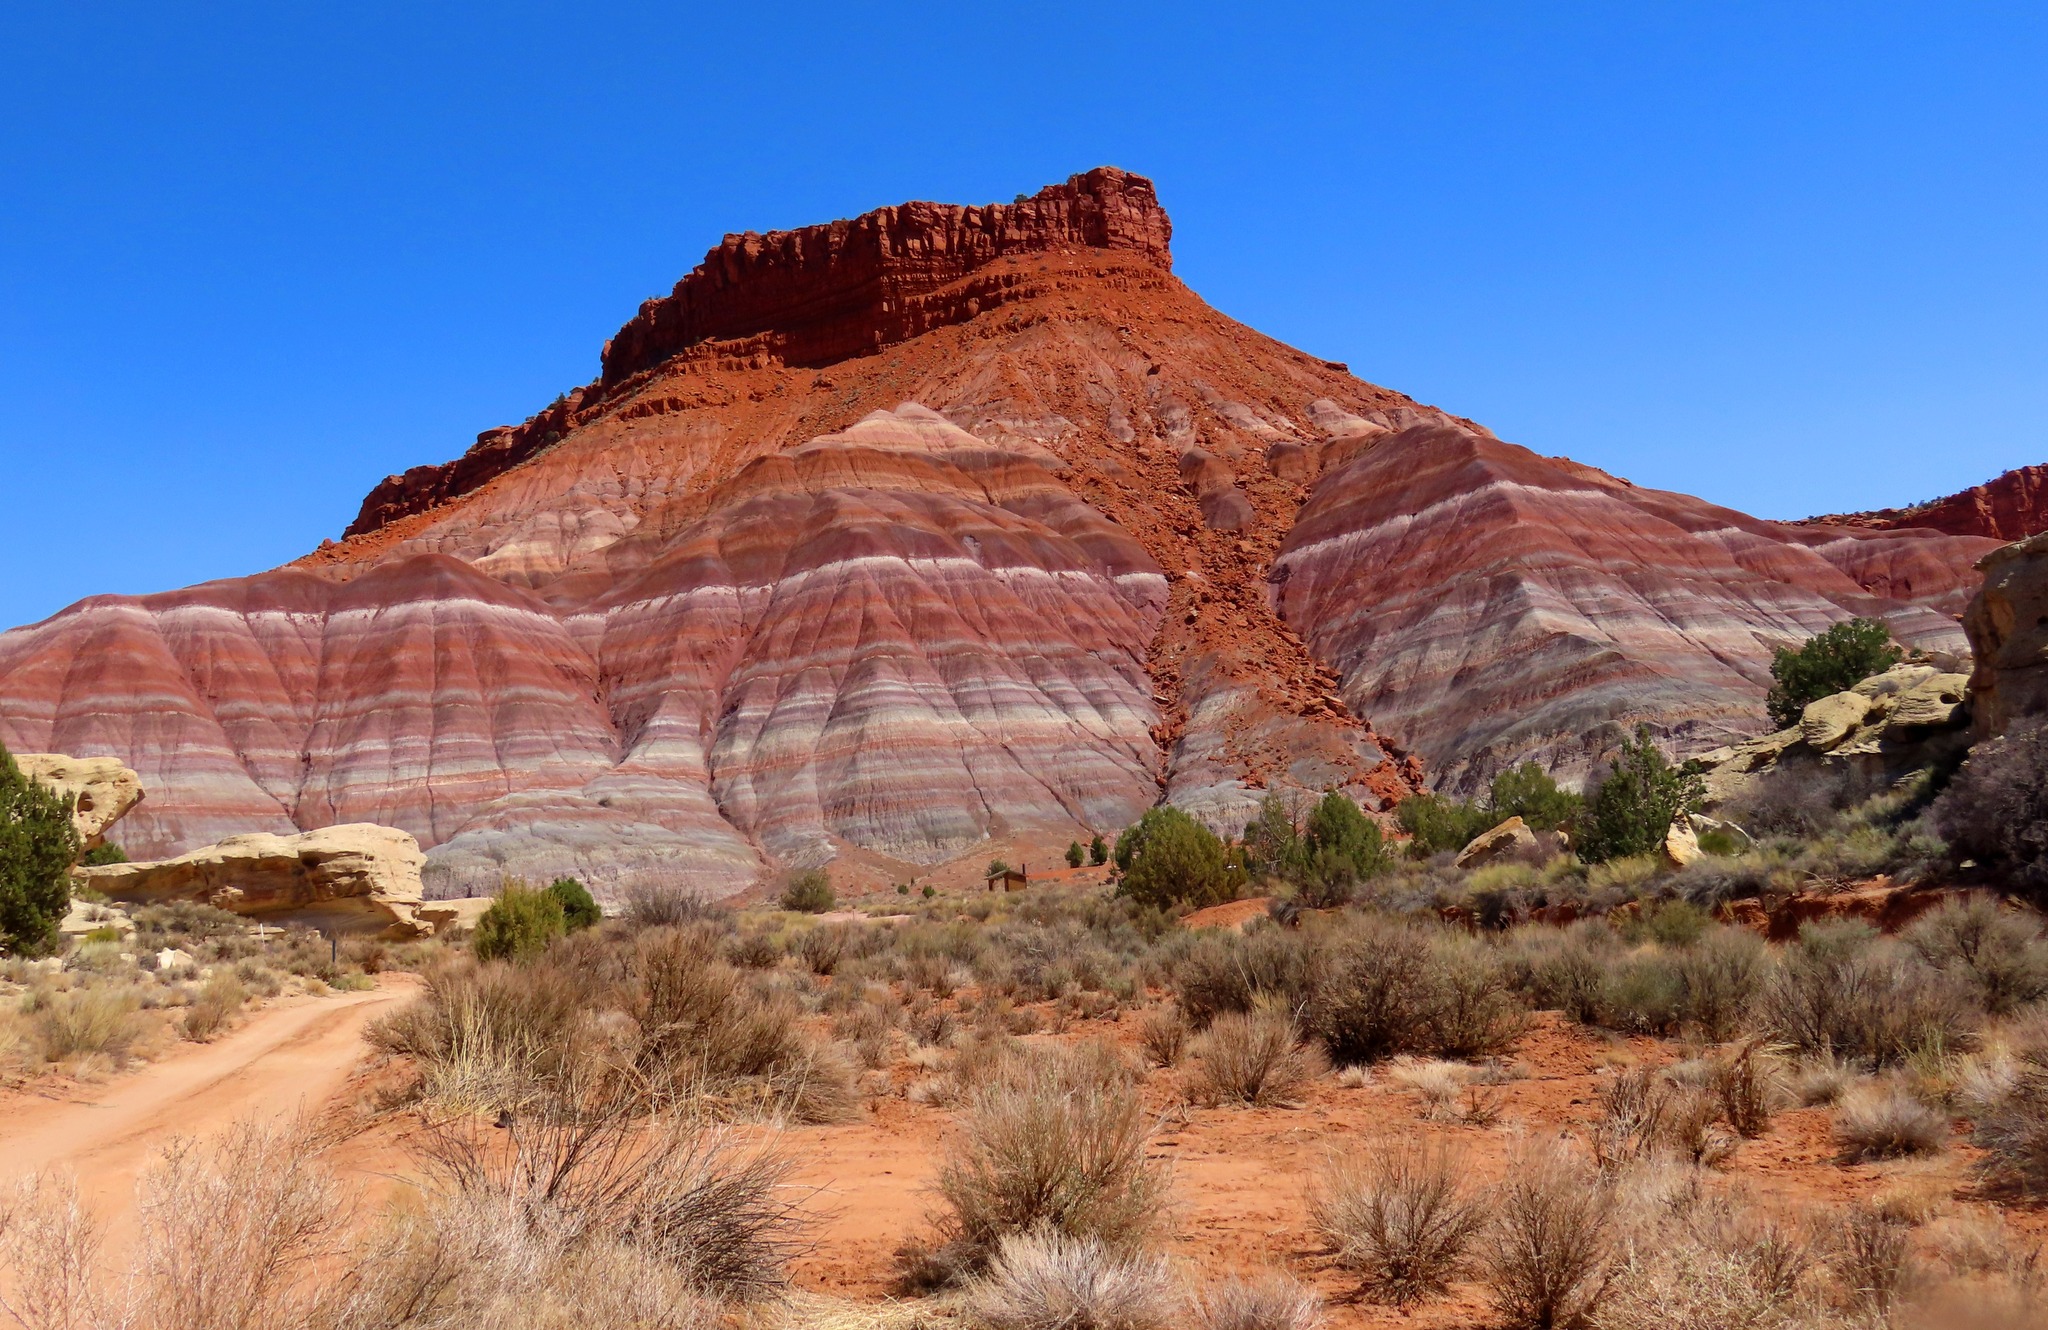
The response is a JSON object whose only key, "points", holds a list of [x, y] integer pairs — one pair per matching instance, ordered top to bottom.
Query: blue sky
{"points": [[254, 258]]}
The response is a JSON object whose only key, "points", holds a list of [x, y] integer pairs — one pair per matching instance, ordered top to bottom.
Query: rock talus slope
{"points": [[940, 524]]}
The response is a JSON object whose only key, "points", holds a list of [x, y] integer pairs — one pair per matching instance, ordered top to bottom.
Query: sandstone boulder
{"points": [[2007, 623], [1888, 725], [104, 790], [1512, 839], [1681, 844], [358, 869]]}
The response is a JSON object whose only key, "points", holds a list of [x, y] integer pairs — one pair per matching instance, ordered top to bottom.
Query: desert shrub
{"points": [[1828, 663], [1792, 802], [1632, 808], [1995, 810], [1436, 823], [1341, 843], [37, 849], [1098, 850], [102, 854], [1075, 854], [1168, 859], [808, 892], [648, 905], [579, 909], [185, 921], [1673, 923], [518, 925], [823, 948], [753, 950], [1996, 954], [1561, 970], [1223, 971], [1720, 979], [1839, 990], [1643, 993], [220, 998], [1370, 999], [1470, 1011], [85, 1022], [709, 1034], [488, 1035], [1163, 1036], [1251, 1058], [1644, 1115], [1886, 1121], [2012, 1127], [1052, 1143], [1399, 1216], [230, 1229], [1542, 1255], [1712, 1272], [1049, 1281], [1271, 1302]]}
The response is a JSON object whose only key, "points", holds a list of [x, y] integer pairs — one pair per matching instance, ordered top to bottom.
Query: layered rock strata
{"points": [[940, 524], [2008, 626]]}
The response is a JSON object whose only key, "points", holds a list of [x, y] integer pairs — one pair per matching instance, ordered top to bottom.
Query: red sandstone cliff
{"points": [[2011, 507], [941, 524]]}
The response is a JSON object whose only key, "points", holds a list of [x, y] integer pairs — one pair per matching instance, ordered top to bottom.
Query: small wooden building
{"points": [[1009, 879]]}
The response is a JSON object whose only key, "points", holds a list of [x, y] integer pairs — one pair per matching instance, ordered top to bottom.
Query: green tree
{"points": [[1830, 663], [1529, 793], [1633, 808], [1435, 823], [1339, 832], [1272, 842], [37, 849], [1098, 850], [106, 852], [1075, 854], [1168, 858], [809, 892], [579, 908], [519, 924]]}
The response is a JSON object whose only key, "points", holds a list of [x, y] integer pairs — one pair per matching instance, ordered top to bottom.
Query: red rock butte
{"points": [[882, 539]]}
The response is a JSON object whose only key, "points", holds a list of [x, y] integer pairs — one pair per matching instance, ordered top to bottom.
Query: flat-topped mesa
{"points": [[828, 293], [816, 296], [2011, 507]]}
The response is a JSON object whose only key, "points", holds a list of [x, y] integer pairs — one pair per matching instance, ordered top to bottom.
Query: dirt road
{"points": [[292, 1056]]}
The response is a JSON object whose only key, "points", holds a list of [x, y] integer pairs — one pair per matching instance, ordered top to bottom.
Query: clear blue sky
{"points": [[255, 257]]}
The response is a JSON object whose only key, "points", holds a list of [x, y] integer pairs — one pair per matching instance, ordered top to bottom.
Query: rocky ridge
{"points": [[2010, 507], [879, 538]]}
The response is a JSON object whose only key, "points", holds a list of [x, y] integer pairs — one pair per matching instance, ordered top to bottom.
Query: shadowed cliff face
{"points": [[884, 537]]}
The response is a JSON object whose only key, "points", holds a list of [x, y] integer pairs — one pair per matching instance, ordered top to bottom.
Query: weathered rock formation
{"points": [[2011, 507], [940, 524], [2007, 622], [1908, 718], [101, 789], [1511, 840], [349, 875]]}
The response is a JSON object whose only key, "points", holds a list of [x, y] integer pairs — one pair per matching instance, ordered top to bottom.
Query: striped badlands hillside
{"points": [[891, 537]]}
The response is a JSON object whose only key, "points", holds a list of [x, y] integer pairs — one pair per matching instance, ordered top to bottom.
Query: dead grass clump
{"points": [[220, 1000], [93, 1021], [489, 1035], [1163, 1036], [1255, 1058], [1748, 1080], [1644, 1114], [1887, 1121], [1053, 1143], [687, 1196], [1398, 1215], [50, 1254], [1543, 1254], [1872, 1260], [1728, 1276], [1049, 1281], [1270, 1302]]}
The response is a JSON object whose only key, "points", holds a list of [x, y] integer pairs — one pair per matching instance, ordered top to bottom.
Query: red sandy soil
{"points": [[295, 1055]]}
